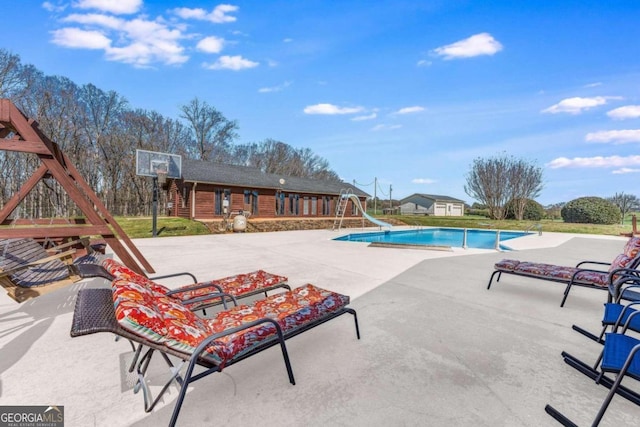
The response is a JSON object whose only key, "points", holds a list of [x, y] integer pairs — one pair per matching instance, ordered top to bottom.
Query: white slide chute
{"points": [[356, 201]]}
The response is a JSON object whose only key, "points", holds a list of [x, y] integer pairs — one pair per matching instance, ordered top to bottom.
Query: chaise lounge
{"points": [[624, 263], [196, 295], [164, 325]]}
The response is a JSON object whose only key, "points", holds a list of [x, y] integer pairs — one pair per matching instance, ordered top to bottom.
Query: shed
{"points": [[431, 204]]}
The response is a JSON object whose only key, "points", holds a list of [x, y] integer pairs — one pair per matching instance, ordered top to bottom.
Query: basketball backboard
{"points": [[149, 163]]}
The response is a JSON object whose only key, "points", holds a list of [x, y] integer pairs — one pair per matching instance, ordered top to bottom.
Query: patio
{"points": [[437, 348]]}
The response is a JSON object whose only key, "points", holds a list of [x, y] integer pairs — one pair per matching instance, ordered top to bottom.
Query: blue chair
{"points": [[616, 313], [620, 356]]}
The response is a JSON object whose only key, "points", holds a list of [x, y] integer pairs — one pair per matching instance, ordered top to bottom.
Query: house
{"points": [[210, 191], [431, 204]]}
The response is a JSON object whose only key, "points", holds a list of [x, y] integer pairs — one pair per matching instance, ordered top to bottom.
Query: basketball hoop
{"points": [[162, 177]]}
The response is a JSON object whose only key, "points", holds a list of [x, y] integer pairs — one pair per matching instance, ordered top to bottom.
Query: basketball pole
{"points": [[154, 208]]}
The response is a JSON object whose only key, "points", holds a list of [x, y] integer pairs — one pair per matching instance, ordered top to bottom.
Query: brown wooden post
{"points": [[30, 139]]}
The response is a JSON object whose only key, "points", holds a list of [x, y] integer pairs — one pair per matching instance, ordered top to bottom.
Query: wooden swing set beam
{"points": [[27, 138]]}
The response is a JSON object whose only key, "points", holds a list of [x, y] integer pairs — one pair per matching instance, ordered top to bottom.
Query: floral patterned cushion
{"points": [[632, 247], [621, 261], [507, 264], [123, 272], [555, 272], [598, 278], [238, 285], [136, 310], [291, 310], [185, 330]]}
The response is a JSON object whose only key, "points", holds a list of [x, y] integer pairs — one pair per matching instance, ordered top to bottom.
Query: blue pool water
{"points": [[453, 237]]}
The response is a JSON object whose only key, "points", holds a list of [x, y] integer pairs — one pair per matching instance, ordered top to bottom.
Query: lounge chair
{"points": [[27, 270], [579, 275], [196, 295], [616, 313], [164, 325], [621, 356]]}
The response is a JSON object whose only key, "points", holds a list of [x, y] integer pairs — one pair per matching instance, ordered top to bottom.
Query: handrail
{"points": [[536, 225]]}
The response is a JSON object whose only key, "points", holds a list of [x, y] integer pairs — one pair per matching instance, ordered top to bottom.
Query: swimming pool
{"points": [[437, 237]]}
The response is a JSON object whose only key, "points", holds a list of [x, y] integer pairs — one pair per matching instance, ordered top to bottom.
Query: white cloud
{"points": [[47, 5], [112, 6], [219, 15], [98, 19], [80, 39], [287, 40], [139, 41], [210, 44], [476, 45], [235, 63], [424, 63], [596, 84], [277, 88], [577, 104], [330, 109], [410, 110], [626, 112], [367, 117], [378, 128], [615, 136], [595, 162], [623, 171], [423, 181]]}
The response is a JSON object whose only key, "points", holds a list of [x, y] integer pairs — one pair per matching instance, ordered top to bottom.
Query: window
{"points": [[185, 195], [222, 199], [251, 201], [280, 203], [293, 203], [326, 205], [305, 206], [314, 206], [354, 208]]}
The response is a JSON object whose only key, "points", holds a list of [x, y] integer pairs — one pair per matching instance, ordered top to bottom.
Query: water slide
{"points": [[376, 221]]}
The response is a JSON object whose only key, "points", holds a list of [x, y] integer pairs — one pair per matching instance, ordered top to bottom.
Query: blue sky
{"points": [[408, 92]]}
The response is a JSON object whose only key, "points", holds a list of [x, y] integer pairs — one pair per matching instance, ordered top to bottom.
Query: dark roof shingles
{"points": [[245, 176]]}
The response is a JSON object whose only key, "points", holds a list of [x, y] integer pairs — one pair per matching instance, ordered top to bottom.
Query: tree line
{"points": [[100, 131], [506, 185]]}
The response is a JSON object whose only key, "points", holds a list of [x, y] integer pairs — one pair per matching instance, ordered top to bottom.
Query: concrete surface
{"points": [[437, 347]]}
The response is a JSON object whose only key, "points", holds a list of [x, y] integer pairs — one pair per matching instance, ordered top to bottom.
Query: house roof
{"points": [[245, 176], [433, 197]]}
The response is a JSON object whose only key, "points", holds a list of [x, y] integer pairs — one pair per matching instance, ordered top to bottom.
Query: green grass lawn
{"points": [[482, 222], [137, 227]]}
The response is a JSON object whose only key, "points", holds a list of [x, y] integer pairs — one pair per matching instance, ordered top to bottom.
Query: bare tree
{"points": [[15, 78], [212, 132], [99, 133], [277, 157], [497, 180], [525, 182], [625, 202]]}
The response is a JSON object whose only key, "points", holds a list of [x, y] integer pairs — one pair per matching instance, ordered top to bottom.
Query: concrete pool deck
{"points": [[437, 347]]}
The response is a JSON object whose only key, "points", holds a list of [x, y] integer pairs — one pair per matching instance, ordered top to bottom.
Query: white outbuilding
{"points": [[431, 204]]}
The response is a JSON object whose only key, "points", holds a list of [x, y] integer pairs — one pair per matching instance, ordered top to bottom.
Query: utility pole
{"points": [[375, 196], [390, 202]]}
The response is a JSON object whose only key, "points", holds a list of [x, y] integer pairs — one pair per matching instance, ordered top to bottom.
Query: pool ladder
{"points": [[538, 226], [496, 246]]}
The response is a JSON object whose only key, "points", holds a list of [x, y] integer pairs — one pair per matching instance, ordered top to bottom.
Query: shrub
{"points": [[591, 210], [533, 211], [478, 212]]}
